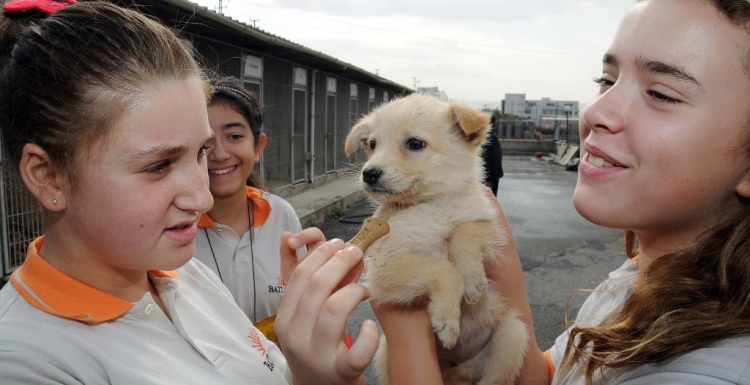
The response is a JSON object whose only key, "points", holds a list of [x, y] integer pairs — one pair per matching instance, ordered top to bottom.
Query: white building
{"points": [[435, 92], [517, 105]]}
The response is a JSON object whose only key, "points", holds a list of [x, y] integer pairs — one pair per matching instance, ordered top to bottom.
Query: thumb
{"points": [[288, 257]]}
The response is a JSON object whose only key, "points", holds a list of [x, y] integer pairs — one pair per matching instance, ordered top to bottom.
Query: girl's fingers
{"points": [[311, 236], [288, 257], [297, 283], [321, 284], [331, 322], [353, 361]]}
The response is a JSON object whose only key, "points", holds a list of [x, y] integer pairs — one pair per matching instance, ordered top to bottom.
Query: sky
{"points": [[474, 50]]}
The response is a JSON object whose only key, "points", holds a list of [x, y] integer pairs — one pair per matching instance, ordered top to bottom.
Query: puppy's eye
{"points": [[372, 144], [415, 144]]}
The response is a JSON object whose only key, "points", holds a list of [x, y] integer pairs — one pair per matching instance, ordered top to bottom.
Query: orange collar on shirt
{"points": [[261, 209], [53, 292]]}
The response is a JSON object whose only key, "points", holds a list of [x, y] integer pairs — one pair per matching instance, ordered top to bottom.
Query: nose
{"points": [[607, 113], [218, 153], [371, 175], [195, 195]]}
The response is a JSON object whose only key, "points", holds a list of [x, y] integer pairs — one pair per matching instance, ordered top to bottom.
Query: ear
{"points": [[472, 124], [360, 131], [260, 145], [41, 178], [743, 188]]}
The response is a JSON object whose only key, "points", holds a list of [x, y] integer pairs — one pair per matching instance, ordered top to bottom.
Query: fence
{"points": [[20, 217]]}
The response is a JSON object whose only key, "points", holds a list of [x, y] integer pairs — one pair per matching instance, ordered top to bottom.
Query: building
{"points": [[434, 91], [311, 101], [517, 105]]}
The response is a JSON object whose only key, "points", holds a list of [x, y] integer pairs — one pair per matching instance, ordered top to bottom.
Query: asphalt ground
{"points": [[562, 254]]}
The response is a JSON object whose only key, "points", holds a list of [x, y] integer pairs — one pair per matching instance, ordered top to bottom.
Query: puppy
{"points": [[423, 169]]}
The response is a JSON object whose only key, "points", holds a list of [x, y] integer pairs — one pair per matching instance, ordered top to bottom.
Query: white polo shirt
{"points": [[250, 265], [54, 329], [722, 363]]}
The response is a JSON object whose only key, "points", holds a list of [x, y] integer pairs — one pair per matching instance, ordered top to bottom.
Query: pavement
{"points": [[314, 206]]}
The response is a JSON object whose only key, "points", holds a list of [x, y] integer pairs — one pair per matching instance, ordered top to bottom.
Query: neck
{"points": [[234, 211], [651, 247], [67, 254]]}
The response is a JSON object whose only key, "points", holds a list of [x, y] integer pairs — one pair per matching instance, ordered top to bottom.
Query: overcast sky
{"points": [[474, 50]]}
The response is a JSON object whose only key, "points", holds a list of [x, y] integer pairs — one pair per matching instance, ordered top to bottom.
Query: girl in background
{"points": [[239, 237]]}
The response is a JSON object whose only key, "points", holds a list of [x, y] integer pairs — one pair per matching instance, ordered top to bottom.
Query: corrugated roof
{"points": [[207, 22]]}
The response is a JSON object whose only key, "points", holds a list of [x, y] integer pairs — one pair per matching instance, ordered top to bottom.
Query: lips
{"points": [[222, 171]]}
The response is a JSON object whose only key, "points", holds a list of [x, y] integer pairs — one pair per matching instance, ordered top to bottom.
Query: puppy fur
{"points": [[423, 169]]}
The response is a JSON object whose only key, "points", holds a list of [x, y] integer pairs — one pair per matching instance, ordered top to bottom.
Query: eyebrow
{"points": [[658, 67], [233, 125], [157, 151], [163, 151]]}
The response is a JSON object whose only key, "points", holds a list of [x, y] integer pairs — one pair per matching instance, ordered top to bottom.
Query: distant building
{"points": [[434, 91], [517, 105]]}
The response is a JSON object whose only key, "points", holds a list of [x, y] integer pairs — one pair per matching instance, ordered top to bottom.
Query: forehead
{"points": [[689, 34], [173, 111]]}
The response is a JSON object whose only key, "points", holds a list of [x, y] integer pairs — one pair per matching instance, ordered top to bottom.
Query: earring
{"points": [[54, 201]]}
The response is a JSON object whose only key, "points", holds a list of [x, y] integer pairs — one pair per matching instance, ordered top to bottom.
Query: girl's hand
{"points": [[311, 236], [506, 273], [313, 313], [412, 353]]}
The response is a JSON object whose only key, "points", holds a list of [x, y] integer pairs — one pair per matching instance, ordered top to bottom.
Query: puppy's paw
{"points": [[475, 289], [448, 329]]}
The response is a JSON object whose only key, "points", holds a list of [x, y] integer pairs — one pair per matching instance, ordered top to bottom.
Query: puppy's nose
{"points": [[371, 175]]}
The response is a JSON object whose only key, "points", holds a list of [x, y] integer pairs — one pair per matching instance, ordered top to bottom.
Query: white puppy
{"points": [[424, 168]]}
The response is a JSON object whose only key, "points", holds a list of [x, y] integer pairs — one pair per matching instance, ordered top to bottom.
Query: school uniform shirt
{"points": [[249, 265], [57, 330], [725, 362]]}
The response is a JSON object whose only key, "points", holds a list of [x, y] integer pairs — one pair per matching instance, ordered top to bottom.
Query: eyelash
{"points": [[657, 96], [160, 167]]}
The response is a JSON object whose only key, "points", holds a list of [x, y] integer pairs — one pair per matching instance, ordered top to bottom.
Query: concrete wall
{"points": [[526, 146]]}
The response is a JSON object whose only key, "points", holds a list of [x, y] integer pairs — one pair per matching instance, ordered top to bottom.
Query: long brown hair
{"points": [[66, 78], [685, 300]]}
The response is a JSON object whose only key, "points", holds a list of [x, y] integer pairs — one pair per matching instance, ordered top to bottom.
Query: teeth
{"points": [[599, 162], [222, 171]]}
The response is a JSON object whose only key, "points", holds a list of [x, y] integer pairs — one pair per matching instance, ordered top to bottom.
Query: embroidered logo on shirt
{"points": [[278, 288], [257, 341], [258, 344]]}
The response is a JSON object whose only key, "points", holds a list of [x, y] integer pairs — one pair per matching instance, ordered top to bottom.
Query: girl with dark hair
{"points": [[104, 114], [239, 237]]}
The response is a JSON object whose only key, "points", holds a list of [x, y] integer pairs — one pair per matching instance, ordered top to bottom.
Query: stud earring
{"points": [[54, 201]]}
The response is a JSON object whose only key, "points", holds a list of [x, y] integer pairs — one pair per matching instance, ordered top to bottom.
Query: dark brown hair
{"points": [[66, 78], [230, 92], [685, 300]]}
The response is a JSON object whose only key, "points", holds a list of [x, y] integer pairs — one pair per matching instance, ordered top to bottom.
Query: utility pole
{"points": [[221, 7], [254, 20], [415, 83]]}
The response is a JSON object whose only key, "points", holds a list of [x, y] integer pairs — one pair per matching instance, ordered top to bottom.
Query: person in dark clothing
{"points": [[492, 155]]}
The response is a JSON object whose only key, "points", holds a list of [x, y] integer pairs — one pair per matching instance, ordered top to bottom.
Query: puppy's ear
{"points": [[473, 125], [360, 131]]}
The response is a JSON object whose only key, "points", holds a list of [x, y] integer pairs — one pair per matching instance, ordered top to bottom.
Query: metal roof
{"points": [[200, 20]]}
